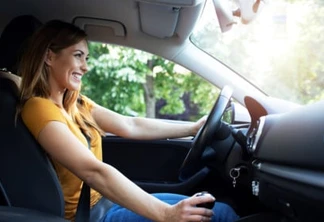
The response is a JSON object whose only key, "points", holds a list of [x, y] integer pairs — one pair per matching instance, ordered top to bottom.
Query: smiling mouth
{"points": [[77, 76]]}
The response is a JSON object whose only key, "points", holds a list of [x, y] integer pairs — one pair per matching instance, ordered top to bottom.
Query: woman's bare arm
{"points": [[142, 128], [64, 147]]}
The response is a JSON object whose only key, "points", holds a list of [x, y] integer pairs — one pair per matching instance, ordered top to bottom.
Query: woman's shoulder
{"points": [[38, 100], [39, 103], [41, 107], [37, 112]]}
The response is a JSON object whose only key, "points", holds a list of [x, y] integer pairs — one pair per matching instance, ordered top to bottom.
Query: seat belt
{"points": [[83, 209]]}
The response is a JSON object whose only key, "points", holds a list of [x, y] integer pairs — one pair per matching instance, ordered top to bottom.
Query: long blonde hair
{"points": [[54, 35]]}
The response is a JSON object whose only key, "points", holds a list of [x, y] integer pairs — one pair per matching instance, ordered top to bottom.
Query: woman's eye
{"points": [[78, 55]]}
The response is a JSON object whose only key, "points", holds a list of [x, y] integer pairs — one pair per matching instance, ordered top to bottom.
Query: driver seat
{"points": [[27, 177]]}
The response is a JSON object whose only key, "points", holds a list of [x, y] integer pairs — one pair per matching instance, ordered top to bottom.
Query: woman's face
{"points": [[68, 66]]}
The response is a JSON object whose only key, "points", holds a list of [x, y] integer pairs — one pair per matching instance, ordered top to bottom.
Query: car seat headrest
{"points": [[13, 38]]}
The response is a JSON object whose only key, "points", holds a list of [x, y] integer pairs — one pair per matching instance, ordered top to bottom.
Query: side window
{"points": [[136, 83]]}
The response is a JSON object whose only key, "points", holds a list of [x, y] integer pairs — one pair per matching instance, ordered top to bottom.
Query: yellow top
{"points": [[36, 113]]}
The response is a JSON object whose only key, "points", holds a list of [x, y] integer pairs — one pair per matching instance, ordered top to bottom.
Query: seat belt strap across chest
{"points": [[83, 209]]}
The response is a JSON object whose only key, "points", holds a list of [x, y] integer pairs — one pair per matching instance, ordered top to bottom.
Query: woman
{"points": [[51, 69]]}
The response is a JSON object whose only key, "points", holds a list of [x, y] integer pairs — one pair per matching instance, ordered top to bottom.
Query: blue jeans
{"points": [[222, 212]]}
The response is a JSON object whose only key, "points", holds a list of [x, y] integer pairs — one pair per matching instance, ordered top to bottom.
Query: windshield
{"points": [[281, 51]]}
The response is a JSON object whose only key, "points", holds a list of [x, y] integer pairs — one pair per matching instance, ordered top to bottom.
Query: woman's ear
{"points": [[49, 57]]}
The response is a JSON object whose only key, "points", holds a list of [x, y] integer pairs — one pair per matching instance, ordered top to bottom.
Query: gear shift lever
{"points": [[208, 205]]}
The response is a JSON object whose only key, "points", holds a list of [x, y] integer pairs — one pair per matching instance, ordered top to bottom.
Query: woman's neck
{"points": [[58, 100]]}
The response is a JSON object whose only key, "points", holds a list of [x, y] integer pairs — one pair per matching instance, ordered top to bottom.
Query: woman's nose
{"points": [[84, 66]]}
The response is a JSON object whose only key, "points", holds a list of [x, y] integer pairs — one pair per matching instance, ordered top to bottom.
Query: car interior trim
{"points": [[310, 177]]}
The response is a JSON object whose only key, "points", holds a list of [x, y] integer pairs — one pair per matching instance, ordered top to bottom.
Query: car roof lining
{"points": [[140, 29]]}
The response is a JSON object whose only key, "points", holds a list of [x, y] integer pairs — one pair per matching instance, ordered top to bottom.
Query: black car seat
{"points": [[27, 177]]}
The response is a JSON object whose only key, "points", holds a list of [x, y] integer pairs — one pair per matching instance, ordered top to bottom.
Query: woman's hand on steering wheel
{"points": [[199, 124]]}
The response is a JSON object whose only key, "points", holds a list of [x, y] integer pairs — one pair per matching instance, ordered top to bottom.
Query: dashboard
{"points": [[287, 155]]}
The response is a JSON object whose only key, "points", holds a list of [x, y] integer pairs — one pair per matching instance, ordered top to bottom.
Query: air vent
{"points": [[253, 138]]}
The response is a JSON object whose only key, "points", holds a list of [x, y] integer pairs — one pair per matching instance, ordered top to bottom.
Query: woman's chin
{"points": [[74, 87]]}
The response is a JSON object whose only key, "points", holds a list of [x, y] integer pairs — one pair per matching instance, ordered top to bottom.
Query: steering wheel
{"points": [[205, 135]]}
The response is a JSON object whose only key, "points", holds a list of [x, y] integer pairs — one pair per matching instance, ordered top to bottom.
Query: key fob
{"points": [[208, 205]]}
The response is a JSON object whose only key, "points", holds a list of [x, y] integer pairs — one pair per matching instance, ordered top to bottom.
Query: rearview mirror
{"points": [[248, 10], [229, 11]]}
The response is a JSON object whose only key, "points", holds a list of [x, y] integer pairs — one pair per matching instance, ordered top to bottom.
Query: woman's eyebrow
{"points": [[79, 50]]}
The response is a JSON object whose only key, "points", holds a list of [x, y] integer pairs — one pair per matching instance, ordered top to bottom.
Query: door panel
{"points": [[155, 161]]}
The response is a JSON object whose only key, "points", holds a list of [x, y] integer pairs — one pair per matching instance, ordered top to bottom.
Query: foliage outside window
{"points": [[136, 83]]}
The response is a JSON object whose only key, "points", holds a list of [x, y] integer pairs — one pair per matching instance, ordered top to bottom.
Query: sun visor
{"points": [[159, 18], [99, 29]]}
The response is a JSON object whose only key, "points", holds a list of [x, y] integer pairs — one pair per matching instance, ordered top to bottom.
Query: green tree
{"points": [[130, 82]]}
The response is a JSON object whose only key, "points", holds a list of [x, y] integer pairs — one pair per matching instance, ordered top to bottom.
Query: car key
{"points": [[208, 205]]}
